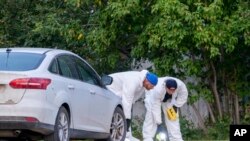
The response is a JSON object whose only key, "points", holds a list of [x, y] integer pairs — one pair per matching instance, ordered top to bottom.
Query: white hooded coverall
{"points": [[129, 86], [153, 104]]}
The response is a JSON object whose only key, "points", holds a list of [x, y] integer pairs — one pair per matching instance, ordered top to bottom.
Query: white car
{"points": [[55, 95]]}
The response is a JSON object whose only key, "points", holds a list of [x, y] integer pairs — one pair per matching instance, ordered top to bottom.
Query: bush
{"points": [[136, 126], [220, 130], [189, 132]]}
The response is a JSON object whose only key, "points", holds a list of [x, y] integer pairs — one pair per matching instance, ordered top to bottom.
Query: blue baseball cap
{"points": [[152, 78]]}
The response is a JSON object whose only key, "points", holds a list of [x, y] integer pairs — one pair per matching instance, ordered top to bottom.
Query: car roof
{"points": [[34, 50]]}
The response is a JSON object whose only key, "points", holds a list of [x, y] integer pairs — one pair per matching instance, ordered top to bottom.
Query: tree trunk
{"points": [[213, 83], [226, 94], [226, 100], [230, 104], [236, 109], [210, 112], [200, 120]]}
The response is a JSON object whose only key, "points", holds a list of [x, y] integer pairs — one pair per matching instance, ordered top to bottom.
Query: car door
{"points": [[79, 96], [100, 112]]}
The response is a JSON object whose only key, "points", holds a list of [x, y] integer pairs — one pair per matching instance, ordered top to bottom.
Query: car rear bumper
{"points": [[13, 126]]}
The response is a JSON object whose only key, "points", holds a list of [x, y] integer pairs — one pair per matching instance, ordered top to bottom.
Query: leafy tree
{"points": [[50, 23], [205, 42]]}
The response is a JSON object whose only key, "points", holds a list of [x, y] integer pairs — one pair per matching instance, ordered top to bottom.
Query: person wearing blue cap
{"points": [[130, 86], [167, 96]]}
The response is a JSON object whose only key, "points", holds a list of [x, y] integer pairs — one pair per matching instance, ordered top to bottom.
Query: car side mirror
{"points": [[107, 80]]}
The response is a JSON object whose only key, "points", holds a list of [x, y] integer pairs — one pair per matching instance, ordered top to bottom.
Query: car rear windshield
{"points": [[19, 61]]}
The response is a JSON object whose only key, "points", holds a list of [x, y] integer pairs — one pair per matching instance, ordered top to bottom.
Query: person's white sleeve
{"points": [[182, 96], [128, 98], [156, 106]]}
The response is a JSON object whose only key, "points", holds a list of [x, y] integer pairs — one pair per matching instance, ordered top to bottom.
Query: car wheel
{"points": [[118, 127], [61, 131]]}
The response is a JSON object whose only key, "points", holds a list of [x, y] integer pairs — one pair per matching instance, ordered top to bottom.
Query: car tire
{"points": [[118, 127], [61, 129]]}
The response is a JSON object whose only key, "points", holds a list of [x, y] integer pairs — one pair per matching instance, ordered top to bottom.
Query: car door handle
{"points": [[71, 87], [92, 92]]}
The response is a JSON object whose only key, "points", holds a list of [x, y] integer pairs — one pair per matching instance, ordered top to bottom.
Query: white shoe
{"points": [[128, 135], [126, 139], [134, 139], [148, 139]]}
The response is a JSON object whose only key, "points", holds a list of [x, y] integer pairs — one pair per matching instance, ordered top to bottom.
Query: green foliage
{"points": [[50, 23], [42, 24], [115, 33], [197, 92], [246, 111], [137, 127], [220, 130], [216, 131], [189, 132]]}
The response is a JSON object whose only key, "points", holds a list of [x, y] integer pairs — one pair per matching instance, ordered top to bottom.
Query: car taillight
{"points": [[30, 83], [31, 119]]}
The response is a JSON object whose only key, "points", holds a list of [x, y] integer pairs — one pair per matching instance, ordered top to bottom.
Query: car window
{"points": [[19, 61], [54, 67], [67, 67], [86, 73]]}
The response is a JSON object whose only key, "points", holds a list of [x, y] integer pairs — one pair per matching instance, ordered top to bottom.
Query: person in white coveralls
{"points": [[130, 86], [169, 94]]}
